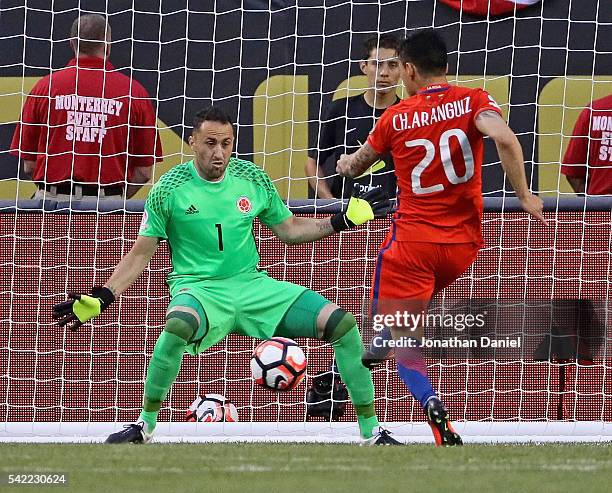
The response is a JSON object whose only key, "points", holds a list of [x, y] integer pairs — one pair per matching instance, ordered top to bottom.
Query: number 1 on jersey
{"points": [[220, 235]]}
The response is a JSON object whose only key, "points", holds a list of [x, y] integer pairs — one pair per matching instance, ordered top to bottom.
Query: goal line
{"points": [[343, 432]]}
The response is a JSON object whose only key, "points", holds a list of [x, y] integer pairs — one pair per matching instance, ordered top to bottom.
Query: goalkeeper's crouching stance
{"points": [[205, 210]]}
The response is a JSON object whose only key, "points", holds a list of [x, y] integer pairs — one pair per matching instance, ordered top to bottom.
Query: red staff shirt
{"points": [[87, 123], [591, 145], [438, 156]]}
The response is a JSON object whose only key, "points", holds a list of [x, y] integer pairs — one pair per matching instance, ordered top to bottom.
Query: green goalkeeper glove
{"points": [[362, 208], [82, 307]]}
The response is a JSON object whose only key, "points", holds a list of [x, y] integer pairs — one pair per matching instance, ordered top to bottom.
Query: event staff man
{"points": [[88, 130], [587, 163]]}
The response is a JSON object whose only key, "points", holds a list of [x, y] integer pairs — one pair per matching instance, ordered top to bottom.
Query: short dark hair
{"points": [[89, 32], [390, 41], [425, 49], [210, 114]]}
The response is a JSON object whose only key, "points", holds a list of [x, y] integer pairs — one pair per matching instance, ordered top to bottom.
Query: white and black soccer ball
{"points": [[278, 364], [212, 408]]}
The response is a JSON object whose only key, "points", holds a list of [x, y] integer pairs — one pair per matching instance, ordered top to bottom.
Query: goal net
{"points": [[276, 66]]}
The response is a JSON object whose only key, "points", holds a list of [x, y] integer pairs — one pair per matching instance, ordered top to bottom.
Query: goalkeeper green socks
{"points": [[163, 370], [358, 380], [149, 418], [367, 420]]}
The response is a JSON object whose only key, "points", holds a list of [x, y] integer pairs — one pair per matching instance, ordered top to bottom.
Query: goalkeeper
{"points": [[205, 210]]}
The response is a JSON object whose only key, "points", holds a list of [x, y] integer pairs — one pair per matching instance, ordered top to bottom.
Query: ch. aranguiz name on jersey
{"points": [[446, 111], [86, 116]]}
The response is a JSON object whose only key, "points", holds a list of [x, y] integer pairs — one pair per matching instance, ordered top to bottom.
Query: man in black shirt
{"points": [[348, 121]]}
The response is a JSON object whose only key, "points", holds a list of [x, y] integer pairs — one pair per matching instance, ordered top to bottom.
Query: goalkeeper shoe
{"points": [[442, 428], [130, 434], [382, 437]]}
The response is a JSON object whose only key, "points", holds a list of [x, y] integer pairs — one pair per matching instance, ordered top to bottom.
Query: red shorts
{"points": [[411, 270]]}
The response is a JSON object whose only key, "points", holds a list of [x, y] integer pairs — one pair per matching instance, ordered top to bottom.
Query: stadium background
{"points": [[271, 66], [276, 67]]}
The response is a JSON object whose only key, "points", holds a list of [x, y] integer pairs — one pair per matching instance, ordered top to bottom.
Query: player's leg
{"points": [[453, 260], [426, 269], [404, 284], [388, 293], [311, 315], [185, 323]]}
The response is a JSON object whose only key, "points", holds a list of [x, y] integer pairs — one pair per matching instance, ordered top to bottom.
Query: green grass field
{"points": [[313, 468]]}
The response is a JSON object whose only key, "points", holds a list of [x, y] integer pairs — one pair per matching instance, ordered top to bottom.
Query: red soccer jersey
{"points": [[87, 123], [592, 144], [438, 155]]}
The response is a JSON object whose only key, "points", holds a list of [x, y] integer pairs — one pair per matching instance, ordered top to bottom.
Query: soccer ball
{"points": [[278, 364], [212, 408]]}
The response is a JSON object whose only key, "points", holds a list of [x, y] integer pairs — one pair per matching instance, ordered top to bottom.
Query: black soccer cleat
{"points": [[379, 350], [370, 361], [440, 424], [130, 434], [383, 437]]}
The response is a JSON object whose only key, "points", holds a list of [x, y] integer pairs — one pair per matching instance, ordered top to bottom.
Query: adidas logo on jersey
{"points": [[192, 210]]}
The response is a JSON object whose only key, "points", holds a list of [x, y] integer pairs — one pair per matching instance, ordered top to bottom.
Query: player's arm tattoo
{"points": [[364, 158], [356, 164], [325, 227], [296, 230], [112, 289]]}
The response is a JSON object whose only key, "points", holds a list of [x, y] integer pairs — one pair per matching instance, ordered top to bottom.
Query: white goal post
{"points": [[276, 65]]}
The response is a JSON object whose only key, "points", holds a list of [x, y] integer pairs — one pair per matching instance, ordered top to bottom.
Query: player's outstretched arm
{"points": [[511, 155], [352, 165], [361, 208], [132, 264], [83, 307]]}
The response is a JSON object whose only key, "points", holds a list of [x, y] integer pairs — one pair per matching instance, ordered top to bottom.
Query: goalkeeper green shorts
{"points": [[251, 304]]}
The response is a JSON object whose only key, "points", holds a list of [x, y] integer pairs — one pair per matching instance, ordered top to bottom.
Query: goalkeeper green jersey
{"points": [[209, 225]]}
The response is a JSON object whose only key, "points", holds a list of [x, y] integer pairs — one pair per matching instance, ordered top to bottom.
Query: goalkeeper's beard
{"points": [[213, 171]]}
